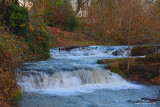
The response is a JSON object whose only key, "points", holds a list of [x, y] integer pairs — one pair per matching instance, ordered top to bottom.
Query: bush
{"points": [[60, 15], [16, 19], [72, 23], [38, 39], [41, 42], [11, 52]]}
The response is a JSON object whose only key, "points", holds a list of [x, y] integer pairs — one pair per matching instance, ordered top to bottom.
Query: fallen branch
{"points": [[150, 99]]}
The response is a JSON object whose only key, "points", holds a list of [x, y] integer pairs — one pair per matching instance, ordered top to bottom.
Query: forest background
{"points": [[29, 28]]}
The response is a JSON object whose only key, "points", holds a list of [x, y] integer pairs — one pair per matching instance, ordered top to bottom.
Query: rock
{"points": [[142, 50], [118, 52], [101, 61], [138, 101]]}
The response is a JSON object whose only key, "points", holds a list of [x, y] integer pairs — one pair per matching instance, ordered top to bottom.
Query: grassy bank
{"points": [[143, 69]]}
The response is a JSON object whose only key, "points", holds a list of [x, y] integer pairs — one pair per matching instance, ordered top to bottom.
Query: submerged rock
{"points": [[119, 52]]}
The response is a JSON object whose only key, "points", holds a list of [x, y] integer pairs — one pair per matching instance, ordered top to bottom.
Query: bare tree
{"points": [[82, 7], [129, 34]]}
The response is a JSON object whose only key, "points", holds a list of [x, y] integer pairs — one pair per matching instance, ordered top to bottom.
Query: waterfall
{"points": [[73, 70]]}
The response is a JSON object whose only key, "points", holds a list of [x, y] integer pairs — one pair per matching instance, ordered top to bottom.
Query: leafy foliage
{"points": [[59, 13], [16, 19], [72, 23], [38, 39], [14, 50], [11, 53]]}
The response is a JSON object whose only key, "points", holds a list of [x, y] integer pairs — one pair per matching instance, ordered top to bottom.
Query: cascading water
{"points": [[74, 70]]}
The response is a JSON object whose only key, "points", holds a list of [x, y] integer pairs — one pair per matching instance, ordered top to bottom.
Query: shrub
{"points": [[52, 12], [60, 14], [16, 19], [72, 23], [38, 39], [41, 42], [11, 52]]}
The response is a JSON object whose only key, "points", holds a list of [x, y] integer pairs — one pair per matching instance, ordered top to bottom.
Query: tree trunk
{"points": [[16, 2], [5, 4], [79, 5], [3, 8], [129, 37], [128, 54]]}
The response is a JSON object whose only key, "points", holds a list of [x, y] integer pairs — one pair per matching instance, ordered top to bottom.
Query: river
{"points": [[72, 78]]}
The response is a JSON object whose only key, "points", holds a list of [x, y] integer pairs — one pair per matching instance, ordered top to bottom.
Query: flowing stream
{"points": [[72, 78]]}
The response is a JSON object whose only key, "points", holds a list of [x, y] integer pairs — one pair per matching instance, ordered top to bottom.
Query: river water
{"points": [[72, 78]]}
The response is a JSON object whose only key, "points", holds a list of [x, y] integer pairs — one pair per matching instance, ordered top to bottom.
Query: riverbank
{"points": [[61, 38], [17, 49], [14, 51], [142, 69], [73, 74]]}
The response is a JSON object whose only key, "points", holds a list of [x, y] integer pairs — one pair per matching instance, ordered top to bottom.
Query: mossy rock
{"points": [[142, 50], [153, 55], [150, 58], [115, 65]]}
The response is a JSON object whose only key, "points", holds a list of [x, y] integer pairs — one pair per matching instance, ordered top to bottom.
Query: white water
{"points": [[91, 51], [74, 71]]}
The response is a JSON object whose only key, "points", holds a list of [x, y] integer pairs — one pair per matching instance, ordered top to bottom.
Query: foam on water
{"points": [[91, 51], [65, 74], [70, 83]]}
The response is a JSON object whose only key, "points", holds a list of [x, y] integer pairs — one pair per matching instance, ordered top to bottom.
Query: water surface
{"points": [[74, 79]]}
